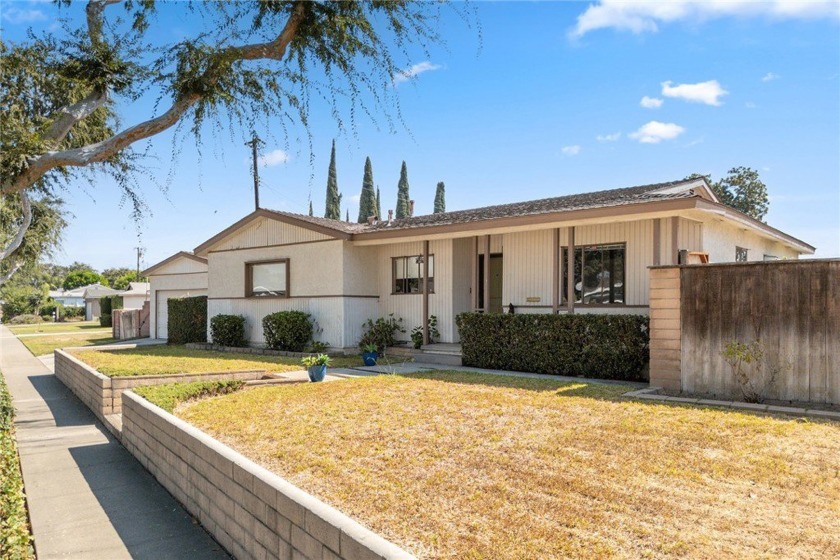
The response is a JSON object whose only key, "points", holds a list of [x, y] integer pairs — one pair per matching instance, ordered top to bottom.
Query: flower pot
{"points": [[370, 358], [317, 373]]}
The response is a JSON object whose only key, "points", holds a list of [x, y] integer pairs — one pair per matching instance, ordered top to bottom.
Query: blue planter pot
{"points": [[370, 358], [317, 373]]}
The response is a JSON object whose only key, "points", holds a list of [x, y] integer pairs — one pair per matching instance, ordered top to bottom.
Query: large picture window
{"points": [[599, 274], [408, 275], [267, 279]]}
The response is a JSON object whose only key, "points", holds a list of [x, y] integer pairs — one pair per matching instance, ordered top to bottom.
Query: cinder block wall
{"points": [[665, 349], [252, 512]]}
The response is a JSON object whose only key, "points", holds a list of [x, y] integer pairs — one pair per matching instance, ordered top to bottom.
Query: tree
{"points": [[247, 62], [742, 189], [403, 198], [440, 198], [367, 200], [378, 204], [333, 208], [310, 209], [347, 215], [30, 230], [112, 275], [79, 278], [123, 281]]}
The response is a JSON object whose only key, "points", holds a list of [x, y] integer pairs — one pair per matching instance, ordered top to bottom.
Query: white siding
{"points": [[264, 231], [690, 235], [720, 240], [181, 265], [528, 269], [461, 285]]}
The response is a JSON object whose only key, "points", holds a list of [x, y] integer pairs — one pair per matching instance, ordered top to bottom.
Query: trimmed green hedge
{"points": [[106, 305], [187, 319], [228, 330], [287, 330], [587, 345], [15, 538]]}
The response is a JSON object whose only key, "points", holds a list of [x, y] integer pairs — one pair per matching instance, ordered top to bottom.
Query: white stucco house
{"points": [[492, 259], [92, 295], [136, 295], [69, 298]]}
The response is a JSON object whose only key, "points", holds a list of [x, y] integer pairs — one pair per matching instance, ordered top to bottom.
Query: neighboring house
{"points": [[485, 259], [181, 275], [136, 295], [91, 296], [69, 298]]}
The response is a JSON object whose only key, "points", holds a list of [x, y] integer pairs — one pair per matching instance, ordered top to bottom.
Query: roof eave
{"points": [[770, 231]]}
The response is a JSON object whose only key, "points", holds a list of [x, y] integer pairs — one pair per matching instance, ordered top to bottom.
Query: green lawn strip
{"points": [[56, 327], [40, 345], [166, 360], [172, 394], [15, 538]]}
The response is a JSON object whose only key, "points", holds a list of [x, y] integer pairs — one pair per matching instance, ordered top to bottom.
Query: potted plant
{"points": [[370, 354], [316, 366]]}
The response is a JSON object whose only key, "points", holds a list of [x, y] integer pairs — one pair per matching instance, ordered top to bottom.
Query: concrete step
{"points": [[443, 359]]}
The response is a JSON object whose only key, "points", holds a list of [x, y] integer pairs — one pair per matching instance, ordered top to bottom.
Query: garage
{"points": [[181, 275]]}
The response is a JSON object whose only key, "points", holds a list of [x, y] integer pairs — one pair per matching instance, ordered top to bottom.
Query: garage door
{"points": [[162, 309]]}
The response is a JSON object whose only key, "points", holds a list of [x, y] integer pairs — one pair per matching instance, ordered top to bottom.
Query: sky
{"points": [[546, 99]]}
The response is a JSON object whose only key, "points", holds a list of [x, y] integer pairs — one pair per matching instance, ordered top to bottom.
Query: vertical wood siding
{"points": [[690, 236], [182, 266], [461, 285]]}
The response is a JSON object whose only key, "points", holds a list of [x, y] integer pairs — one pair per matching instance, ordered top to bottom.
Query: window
{"points": [[741, 254], [770, 257], [599, 274], [408, 275], [267, 279]]}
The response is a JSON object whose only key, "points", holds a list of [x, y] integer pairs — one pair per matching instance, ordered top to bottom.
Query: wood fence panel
{"points": [[832, 333]]}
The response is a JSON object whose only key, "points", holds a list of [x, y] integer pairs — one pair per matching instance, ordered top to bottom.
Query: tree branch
{"points": [[94, 11], [40, 164], [27, 221], [11, 272]]}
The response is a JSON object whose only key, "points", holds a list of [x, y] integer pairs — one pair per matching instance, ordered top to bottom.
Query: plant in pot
{"points": [[370, 354], [316, 366]]}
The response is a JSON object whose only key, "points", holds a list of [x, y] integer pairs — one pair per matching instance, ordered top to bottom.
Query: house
{"points": [[494, 259], [181, 275], [136, 295], [91, 296], [69, 298]]}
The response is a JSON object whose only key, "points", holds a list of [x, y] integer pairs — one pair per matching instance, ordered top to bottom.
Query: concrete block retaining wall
{"points": [[260, 351], [103, 394], [251, 511]]}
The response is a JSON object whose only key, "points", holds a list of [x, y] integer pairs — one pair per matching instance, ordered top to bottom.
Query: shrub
{"points": [[107, 304], [49, 309], [71, 311], [26, 319], [187, 319], [228, 330], [287, 330], [382, 332], [417, 333], [598, 346], [747, 361]]}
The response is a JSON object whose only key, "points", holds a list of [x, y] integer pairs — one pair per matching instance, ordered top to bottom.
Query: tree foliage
{"points": [[742, 189], [403, 197], [440, 198], [367, 199], [333, 206], [39, 239], [79, 278]]}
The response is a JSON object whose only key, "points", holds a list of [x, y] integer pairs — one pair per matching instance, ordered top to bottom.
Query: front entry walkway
{"points": [[87, 496]]}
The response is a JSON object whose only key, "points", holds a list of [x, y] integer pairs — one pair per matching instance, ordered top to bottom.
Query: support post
{"points": [[675, 240], [657, 242], [570, 271], [474, 276], [555, 278], [425, 292], [486, 302]]}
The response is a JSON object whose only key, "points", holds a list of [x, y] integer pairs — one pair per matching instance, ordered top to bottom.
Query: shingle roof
{"points": [[337, 225]]}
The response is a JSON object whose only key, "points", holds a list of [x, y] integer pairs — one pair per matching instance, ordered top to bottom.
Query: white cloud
{"points": [[16, 15], [642, 16], [414, 71], [770, 76], [702, 92], [651, 102], [654, 132], [608, 137], [570, 150], [274, 157]]}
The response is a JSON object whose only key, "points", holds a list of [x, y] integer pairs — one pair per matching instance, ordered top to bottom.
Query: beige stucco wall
{"points": [[720, 239]]}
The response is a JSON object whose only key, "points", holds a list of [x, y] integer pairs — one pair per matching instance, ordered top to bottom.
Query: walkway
{"points": [[88, 497]]}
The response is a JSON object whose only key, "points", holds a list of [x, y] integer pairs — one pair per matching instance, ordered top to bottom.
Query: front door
{"points": [[496, 272]]}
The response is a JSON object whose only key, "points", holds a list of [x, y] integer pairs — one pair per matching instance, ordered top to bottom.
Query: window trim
{"points": [[746, 251], [564, 263], [394, 275], [249, 278]]}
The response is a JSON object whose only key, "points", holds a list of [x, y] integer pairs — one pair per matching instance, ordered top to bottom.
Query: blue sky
{"points": [[558, 98]]}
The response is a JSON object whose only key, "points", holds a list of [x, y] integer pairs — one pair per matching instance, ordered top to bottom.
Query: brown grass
{"points": [[454, 465]]}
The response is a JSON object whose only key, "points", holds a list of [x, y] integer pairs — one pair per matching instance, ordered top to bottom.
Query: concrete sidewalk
{"points": [[87, 496]]}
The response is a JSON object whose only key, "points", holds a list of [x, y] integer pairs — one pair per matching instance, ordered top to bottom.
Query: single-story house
{"points": [[578, 253], [181, 275], [91, 295], [136, 295], [69, 298]]}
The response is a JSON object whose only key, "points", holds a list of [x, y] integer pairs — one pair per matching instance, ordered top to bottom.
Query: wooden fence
{"points": [[791, 307]]}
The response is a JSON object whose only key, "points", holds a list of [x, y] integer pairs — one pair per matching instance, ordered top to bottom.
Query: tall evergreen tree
{"points": [[403, 197], [440, 198], [367, 200], [378, 205], [310, 208], [333, 209], [347, 216]]}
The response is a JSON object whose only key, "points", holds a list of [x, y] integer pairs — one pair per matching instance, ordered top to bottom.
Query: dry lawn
{"points": [[165, 359], [455, 465]]}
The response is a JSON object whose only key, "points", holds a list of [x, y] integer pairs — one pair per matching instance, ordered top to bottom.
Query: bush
{"points": [[107, 304], [49, 309], [68, 312], [26, 319], [187, 319], [228, 330], [287, 330], [381, 333], [417, 333], [598, 346]]}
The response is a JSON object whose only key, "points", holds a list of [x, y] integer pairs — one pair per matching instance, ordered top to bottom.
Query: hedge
{"points": [[106, 305], [187, 321], [228, 330], [287, 330], [587, 345]]}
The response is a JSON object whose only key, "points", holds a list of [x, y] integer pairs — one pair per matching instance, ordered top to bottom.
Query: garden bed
{"points": [[455, 465]]}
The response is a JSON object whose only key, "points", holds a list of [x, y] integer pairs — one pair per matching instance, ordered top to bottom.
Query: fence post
{"points": [[665, 331]]}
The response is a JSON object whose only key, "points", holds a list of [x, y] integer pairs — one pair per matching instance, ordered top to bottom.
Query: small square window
{"points": [[741, 254], [407, 277]]}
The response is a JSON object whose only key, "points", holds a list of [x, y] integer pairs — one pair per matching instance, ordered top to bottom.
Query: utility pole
{"points": [[254, 143], [139, 254]]}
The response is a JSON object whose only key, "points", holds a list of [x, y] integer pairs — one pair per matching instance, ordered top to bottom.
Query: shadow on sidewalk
{"points": [[66, 409]]}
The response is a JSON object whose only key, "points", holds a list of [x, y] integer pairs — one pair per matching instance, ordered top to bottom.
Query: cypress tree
{"points": [[403, 197], [440, 198], [367, 200], [378, 205], [333, 207], [310, 208], [347, 216]]}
